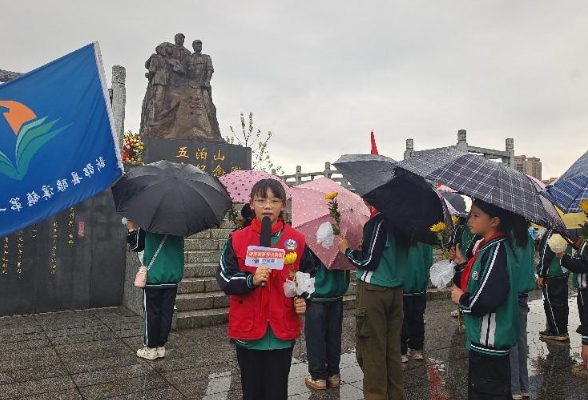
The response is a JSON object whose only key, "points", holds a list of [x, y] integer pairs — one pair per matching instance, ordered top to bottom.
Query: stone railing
{"points": [[6, 76], [301, 177]]}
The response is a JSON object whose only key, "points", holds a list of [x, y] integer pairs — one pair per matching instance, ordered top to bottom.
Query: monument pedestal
{"points": [[215, 158]]}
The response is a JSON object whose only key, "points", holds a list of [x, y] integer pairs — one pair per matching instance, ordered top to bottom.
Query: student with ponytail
{"points": [[487, 293], [263, 322]]}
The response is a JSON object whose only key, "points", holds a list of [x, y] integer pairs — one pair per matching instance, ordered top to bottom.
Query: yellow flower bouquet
{"points": [[334, 212]]}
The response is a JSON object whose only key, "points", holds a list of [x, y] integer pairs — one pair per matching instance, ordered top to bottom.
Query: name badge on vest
{"points": [[259, 256]]}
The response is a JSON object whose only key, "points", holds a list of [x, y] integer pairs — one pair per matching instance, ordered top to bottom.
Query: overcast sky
{"points": [[322, 74]]}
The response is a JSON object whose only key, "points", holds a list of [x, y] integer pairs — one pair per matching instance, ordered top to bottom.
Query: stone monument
{"points": [[178, 101], [178, 117]]}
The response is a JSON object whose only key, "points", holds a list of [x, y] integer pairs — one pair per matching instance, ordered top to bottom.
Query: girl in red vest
{"points": [[263, 323]]}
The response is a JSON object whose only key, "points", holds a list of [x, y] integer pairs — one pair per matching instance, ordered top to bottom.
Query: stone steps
{"points": [[202, 256], [200, 270], [198, 285], [201, 301]]}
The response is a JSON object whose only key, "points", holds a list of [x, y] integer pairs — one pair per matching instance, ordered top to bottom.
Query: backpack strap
{"points": [[156, 253]]}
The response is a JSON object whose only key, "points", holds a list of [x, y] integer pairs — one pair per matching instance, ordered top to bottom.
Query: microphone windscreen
{"points": [[265, 236]]}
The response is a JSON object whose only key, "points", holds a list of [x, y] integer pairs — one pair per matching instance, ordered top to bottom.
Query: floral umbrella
{"points": [[239, 184], [311, 216]]}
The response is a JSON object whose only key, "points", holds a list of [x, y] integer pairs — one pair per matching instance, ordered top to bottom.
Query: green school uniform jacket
{"points": [[379, 261], [525, 261], [578, 264], [549, 265], [168, 268], [416, 277], [330, 285], [490, 301]]}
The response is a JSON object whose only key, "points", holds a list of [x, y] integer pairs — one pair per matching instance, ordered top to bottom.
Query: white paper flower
{"points": [[325, 235], [441, 273], [304, 283], [290, 288]]}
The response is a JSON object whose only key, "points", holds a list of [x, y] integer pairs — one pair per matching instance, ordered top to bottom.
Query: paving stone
{"points": [[201, 362], [88, 364], [140, 368], [38, 372], [122, 387], [28, 388], [167, 393], [71, 394]]}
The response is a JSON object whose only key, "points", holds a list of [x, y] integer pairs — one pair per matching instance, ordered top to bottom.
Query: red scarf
{"points": [[256, 226], [465, 275]]}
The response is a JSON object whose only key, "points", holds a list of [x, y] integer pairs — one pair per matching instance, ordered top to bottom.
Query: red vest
{"points": [[250, 313]]}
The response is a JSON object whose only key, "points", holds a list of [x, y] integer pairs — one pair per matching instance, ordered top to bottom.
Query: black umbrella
{"points": [[365, 172], [494, 183], [169, 198], [405, 199]]}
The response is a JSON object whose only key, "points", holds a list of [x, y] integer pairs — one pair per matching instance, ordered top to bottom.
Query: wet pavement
{"points": [[91, 354]]}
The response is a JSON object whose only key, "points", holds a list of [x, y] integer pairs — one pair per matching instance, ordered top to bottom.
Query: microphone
{"points": [[265, 235]]}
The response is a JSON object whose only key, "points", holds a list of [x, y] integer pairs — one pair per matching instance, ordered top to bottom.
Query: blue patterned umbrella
{"points": [[494, 183], [571, 188]]}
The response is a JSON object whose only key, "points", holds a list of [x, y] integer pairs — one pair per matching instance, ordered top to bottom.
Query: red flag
{"points": [[374, 147], [373, 210]]}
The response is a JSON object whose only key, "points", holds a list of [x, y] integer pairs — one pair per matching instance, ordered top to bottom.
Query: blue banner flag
{"points": [[57, 141]]}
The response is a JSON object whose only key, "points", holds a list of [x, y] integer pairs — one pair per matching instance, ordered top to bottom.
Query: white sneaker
{"points": [[160, 352], [147, 353]]}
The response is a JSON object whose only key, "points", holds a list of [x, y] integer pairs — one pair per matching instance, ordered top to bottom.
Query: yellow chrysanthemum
{"points": [[331, 196], [584, 206], [438, 227], [290, 258]]}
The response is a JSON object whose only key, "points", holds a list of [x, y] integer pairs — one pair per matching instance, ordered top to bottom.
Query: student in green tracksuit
{"points": [[164, 255], [578, 264], [380, 267], [416, 279], [553, 281], [488, 296], [324, 325], [519, 374]]}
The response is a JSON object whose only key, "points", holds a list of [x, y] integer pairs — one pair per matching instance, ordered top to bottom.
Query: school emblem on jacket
{"points": [[290, 244], [475, 275]]}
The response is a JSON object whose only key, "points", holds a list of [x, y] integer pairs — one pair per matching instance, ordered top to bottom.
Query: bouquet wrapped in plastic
{"points": [[325, 235], [557, 243], [441, 273], [300, 284]]}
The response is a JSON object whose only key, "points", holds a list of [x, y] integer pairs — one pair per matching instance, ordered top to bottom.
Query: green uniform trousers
{"points": [[379, 324]]}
